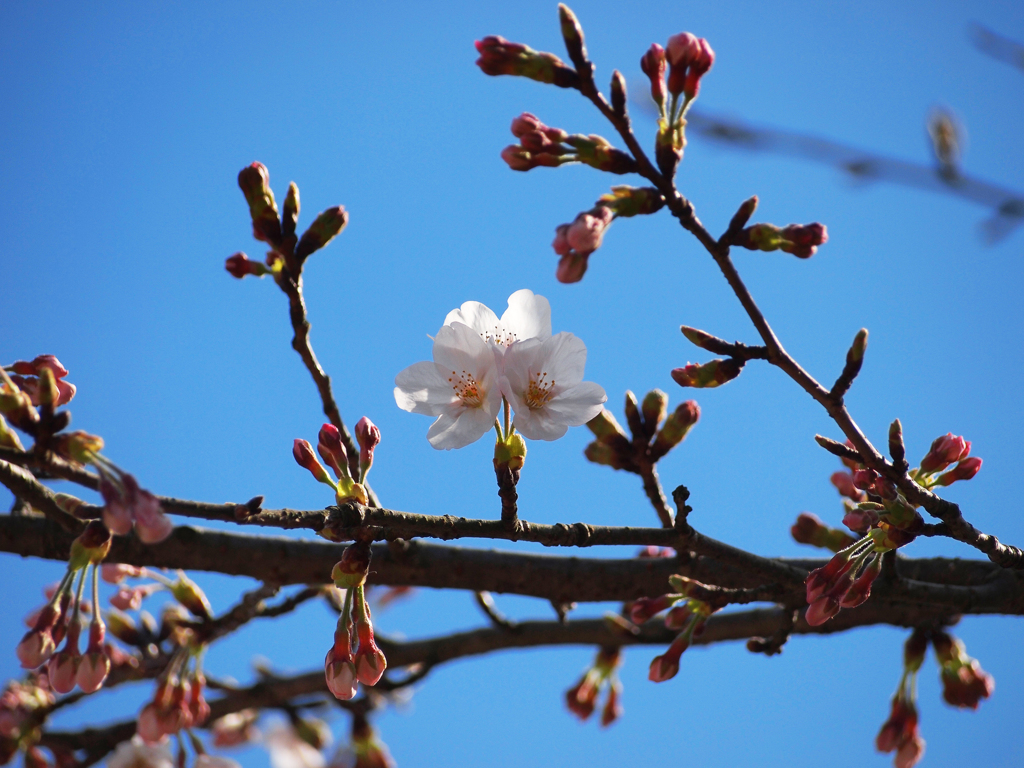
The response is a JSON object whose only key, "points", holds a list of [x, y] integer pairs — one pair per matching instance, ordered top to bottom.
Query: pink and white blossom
{"points": [[528, 317], [543, 381], [459, 387], [137, 754]]}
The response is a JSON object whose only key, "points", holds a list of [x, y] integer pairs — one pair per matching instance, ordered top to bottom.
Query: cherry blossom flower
{"points": [[528, 317], [543, 380], [460, 387], [287, 750]]}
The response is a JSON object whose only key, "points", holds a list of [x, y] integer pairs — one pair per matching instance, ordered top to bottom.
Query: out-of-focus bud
{"points": [[572, 33], [498, 56], [689, 60], [653, 65], [618, 89], [945, 133], [597, 152], [520, 158], [254, 181], [628, 201], [743, 213], [290, 215], [324, 228], [801, 240], [576, 241], [240, 265], [571, 267], [32, 368], [707, 375], [48, 393], [654, 409], [633, 418], [676, 427], [607, 430], [368, 436], [8, 437], [78, 446], [332, 450], [944, 451], [602, 453], [303, 454], [964, 470], [864, 479], [843, 481], [863, 517], [809, 529], [351, 570], [115, 573], [860, 590], [188, 593], [647, 607], [123, 627], [914, 650], [666, 666], [964, 682], [612, 707], [235, 729], [313, 731]]}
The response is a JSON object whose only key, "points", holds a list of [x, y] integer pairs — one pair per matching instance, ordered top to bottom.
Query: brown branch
{"points": [[24, 486], [557, 579], [722, 627]]}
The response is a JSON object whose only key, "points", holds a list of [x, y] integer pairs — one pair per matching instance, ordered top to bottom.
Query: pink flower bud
{"points": [[498, 56], [689, 58], [653, 65], [526, 123], [587, 230], [802, 240], [240, 265], [571, 268], [38, 364], [368, 436], [332, 450], [944, 451], [302, 452], [964, 470], [864, 479], [843, 481], [117, 515], [860, 520], [151, 524], [351, 570], [115, 573], [860, 590], [646, 607], [821, 610], [678, 617], [35, 649], [370, 663], [666, 666], [62, 669], [93, 670], [341, 675], [581, 699], [612, 708], [148, 725], [235, 729]]}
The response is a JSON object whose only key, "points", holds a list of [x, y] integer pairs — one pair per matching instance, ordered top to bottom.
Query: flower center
{"points": [[500, 336], [466, 387], [539, 391]]}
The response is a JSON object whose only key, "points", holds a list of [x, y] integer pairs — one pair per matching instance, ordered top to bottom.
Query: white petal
{"points": [[477, 316], [528, 316], [459, 348], [563, 358], [518, 362], [423, 388], [577, 405], [538, 425], [458, 431]]}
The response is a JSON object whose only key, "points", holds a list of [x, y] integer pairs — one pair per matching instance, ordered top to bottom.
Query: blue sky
{"points": [[125, 125]]}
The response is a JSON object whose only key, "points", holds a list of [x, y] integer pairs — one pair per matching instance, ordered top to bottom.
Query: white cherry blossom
{"points": [[528, 317], [543, 380], [460, 387], [137, 754]]}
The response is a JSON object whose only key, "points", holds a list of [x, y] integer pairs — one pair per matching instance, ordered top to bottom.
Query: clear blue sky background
{"points": [[124, 126]]}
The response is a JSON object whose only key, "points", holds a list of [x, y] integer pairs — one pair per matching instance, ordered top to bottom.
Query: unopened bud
{"points": [[572, 33], [498, 56], [689, 60], [653, 65], [618, 89], [254, 181], [628, 201], [743, 213], [290, 215], [324, 228], [240, 265], [571, 267], [707, 375], [48, 394], [654, 409], [633, 417], [676, 427], [368, 436], [896, 448], [332, 450], [302, 452], [964, 470], [91, 546], [188, 593]]}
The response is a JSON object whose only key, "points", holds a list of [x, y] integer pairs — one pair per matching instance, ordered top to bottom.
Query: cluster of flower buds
{"points": [[498, 56], [687, 59], [541, 146], [278, 229], [801, 240], [576, 241], [42, 379], [655, 432], [332, 450], [945, 451], [126, 505], [809, 529], [845, 581], [687, 614], [62, 619], [354, 658], [964, 682], [582, 697], [18, 702], [179, 703], [899, 734], [365, 750]]}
